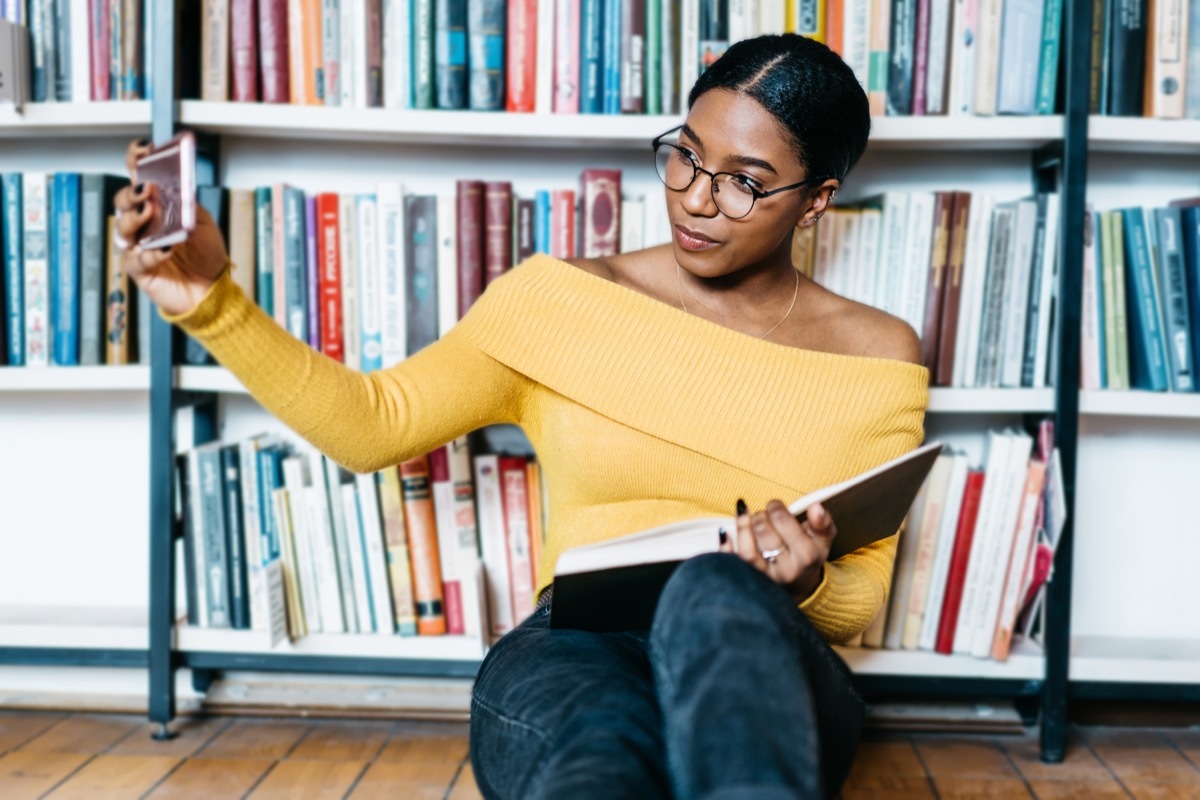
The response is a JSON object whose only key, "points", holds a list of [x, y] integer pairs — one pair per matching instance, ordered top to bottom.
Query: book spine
{"points": [[98, 21], [115, 36], [331, 45], [374, 46], [243, 48], [543, 49], [273, 50], [214, 51], [450, 51], [1020, 51], [423, 52], [349, 53], [357, 53], [521, 53], [485, 54], [566, 56], [654, 56], [879, 56], [610, 57], [633, 57], [669, 57], [963, 57], [1128, 57], [591, 59], [987, 65], [900, 67], [1166, 67], [1098, 71], [920, 73], [132, 74], [936, 78], [297, 79], [1192, 81], [1047, 84], [601, 193], [95, 205], [943, 214], [541, 221], [562, 223], [446, 224], [498, 226], [1190, 236], [523, 239], [470, 246], [264, 251], [390, 259], [36, 265], [67, 269], [312, 274], [14, 275], [330, 280], [1172, 282], [952, 290], [993, 294], [119, 303], [370, 305], [421, 309], [294, 311], [351, 311], [1090, 313], [1033, 316], [1045, 347], [1148, 367], [231, 486], [196, 507], [186, 515], [516, 522], [395, 533], [447, 536], [345, 538], [422, 538], [466, 538], [1023, 542], [493, 544], [216, 552], [357, 556], [376, 556], [956, 575], [297, 601], [260, 613], [338, 614]]}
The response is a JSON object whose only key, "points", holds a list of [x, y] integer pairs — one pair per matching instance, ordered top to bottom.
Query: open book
{"points": [[614, 585]]}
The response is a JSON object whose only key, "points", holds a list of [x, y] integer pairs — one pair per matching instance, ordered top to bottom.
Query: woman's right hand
{"points": [[176, 277]]}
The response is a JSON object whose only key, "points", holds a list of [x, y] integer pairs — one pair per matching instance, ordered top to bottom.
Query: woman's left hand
{"points": [[791, 553]]}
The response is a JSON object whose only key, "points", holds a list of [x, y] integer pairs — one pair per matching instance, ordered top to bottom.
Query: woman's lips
{"points": [[692, 240]]}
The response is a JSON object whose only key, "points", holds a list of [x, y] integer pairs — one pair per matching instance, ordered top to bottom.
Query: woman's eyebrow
{"points": [[746, 161]]}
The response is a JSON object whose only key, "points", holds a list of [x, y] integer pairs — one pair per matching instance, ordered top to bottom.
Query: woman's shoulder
{"points": [[863, 330]]}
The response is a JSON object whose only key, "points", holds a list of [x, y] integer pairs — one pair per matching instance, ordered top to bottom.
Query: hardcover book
{"points": [[614, 585]]}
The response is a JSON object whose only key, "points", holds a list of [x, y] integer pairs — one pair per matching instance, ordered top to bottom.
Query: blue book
{"points": [[486, 33], [450, 53], [611, 56], [591, 81], [1047, 86], [1093, 219], [541, 221], [1190, 234], [264, 256], [294, 257], [64, 269], [311, 276], [14, 278], [1174, 297], [1147, 348], [270, 478]]}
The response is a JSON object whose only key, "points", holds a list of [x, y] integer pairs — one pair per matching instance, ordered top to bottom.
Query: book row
{"points": [[86, 50], [616, 56], [1145, 58], [976, 278], [1141, 298], [64, 300], [279, 539], [976, 551]]}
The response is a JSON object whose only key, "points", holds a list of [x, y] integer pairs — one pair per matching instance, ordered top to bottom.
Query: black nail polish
{"points": [[143, 142], [141, 187], [164, 249], [741, 507], [722, 535]]}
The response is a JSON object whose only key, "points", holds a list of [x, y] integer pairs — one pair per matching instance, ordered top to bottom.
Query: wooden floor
{"points": [[98, 757]]}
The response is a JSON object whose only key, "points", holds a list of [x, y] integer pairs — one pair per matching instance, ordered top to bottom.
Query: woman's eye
{"points": [[686, 156], [748, 184]]}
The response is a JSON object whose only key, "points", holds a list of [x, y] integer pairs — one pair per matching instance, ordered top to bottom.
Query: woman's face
{"points": [[728, 132]]}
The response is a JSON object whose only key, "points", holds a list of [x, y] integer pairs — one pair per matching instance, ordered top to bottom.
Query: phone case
{"points": [[172, 168]]}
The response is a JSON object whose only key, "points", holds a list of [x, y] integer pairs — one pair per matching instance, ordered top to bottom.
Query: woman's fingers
{"points": [[132, 153], [819, 524], [748, 545]]}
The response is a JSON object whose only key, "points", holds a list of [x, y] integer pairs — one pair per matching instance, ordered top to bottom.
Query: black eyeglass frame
{"points": [[756, 194]]}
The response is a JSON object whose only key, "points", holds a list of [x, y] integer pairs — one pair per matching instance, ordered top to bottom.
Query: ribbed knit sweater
{"points": [[640, 413]]}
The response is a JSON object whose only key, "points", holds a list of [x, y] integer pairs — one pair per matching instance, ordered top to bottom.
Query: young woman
{"points": [[683, 380]]}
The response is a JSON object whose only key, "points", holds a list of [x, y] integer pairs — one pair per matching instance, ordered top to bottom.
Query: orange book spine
{"points": [[833, 25], [522, 54], [312, 55], [421, 523], [1026, 537]]}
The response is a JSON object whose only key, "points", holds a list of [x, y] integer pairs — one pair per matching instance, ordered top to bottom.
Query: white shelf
{"points": [[114, 118], [280, 121], [1141, 135], [80, 379], [208, 379], [982, 401], [1133, 403], [86, 627], [190, 639], [1135, 660], [1026, 662]]}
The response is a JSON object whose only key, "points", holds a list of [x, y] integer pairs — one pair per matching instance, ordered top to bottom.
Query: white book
{"points": [[737, 14], [772, 16], [295, 19], [963, 34], [856, 38], [346, 44], [331, 46], [689, 47], [81, 51], [358, 55], [397, 55], [939, 56], [987, 56], [543, 86], [35, 207], [633, 221], [918, 248], [891, 250], [824, 251], [845, 259], [447, 263], [391, 268], [867, 270], [974, 280], [1047, 291], [370, 299], [1014, 309], [351, 342], [1089, 360], [999, 448], [328, 476], [295, 480], [936, 491], [194, 502], [947, 531], [447, 532], [252, 534], [467, 535], [492, 540], [1001, 543], [357, 556], [376, 557], [906, 557], [1019, 571], [333, 611], [303, 613]]}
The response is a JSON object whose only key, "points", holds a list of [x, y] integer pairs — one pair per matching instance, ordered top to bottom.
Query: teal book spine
{"points": [[423, 53], [1047, 88], [1147, 362]]}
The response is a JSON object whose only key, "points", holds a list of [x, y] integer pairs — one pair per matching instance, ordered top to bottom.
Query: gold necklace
{"points": [[788, 313]]}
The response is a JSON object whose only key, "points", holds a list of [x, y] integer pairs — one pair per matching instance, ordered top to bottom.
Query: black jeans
{"points": [[731, 694]]}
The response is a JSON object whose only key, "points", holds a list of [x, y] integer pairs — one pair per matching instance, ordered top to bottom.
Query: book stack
{"points": [[86, 50], [618, 56], [1145, 59], [974, 277], [371, 278], [1141, 292], [64, 299], [281, 540], [976, 551]]}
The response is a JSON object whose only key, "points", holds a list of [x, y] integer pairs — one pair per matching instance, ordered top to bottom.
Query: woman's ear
{"points": [[820, 201]]}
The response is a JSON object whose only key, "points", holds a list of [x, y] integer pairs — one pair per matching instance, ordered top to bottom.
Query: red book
{"points": [[99, 17], [243, 49], [273, 50], [522, 55], [566, 56], [920, 58], [943, 214], [601, 219], [497, 221], [562, 223], [469, 248], [329, 276], [952, 290], [514, 492], [443, 502], [421, 523], [959, 557]]}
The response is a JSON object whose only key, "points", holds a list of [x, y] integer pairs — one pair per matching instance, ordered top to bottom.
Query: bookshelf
{"points": [[126, 118], [1144, 135], [75, 379], [1025, 663]]}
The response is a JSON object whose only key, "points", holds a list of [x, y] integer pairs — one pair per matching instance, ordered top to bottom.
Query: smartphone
{"points": [[171, 167]]}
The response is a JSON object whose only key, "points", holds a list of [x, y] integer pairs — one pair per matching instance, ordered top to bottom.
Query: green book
{"points": [[422, 53], [654, 56]]}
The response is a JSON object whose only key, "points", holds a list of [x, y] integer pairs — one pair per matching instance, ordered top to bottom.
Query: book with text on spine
{"points": [[614, 585]]}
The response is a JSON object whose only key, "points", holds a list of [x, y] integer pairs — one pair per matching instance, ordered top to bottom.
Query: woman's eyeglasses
{"points": [[734, 195]]}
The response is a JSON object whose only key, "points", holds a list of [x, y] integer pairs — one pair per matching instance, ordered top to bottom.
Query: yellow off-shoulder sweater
{"points": [[641, 414]]}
